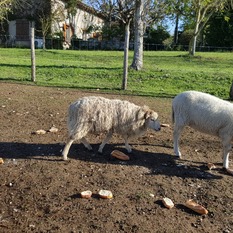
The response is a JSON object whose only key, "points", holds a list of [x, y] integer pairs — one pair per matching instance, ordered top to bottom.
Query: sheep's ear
{"points": [[147, 111], [147, 114]]}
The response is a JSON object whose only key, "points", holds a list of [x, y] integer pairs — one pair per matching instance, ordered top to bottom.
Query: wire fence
{"points": [[94, 44]]}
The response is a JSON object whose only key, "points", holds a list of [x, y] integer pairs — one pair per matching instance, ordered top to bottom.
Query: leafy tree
{"points": [[7, 6], [71, 6], [140, 8], [176, 10], [203, 10], [118, 11], [147, 13], [113, 30], [219, 31], [156, 36], [185, 37]]}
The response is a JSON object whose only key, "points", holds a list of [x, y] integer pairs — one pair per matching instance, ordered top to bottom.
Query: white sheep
{"points": [[205, 113], [97, 115]]}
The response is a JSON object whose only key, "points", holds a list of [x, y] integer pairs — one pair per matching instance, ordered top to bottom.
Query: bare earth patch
{"points": [[41, 193]]}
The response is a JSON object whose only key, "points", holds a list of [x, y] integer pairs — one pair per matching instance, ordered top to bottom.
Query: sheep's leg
{"points": [[176, 137], [105, 141], [86, 143], [127, 146], [67, 148], [226, 151], [226, 160]]}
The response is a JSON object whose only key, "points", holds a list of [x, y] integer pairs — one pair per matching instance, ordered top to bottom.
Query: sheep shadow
{"points": [[157, 163]]}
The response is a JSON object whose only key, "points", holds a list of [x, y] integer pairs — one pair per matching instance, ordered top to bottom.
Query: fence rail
{"points": [[92, 44]]}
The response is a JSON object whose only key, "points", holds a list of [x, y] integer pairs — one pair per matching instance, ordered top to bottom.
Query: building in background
{"points": [[85, 24]]}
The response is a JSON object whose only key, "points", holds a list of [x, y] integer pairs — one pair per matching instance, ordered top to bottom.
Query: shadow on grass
{"points": [[62, 66]]}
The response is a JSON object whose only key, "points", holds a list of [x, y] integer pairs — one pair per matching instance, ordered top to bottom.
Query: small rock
{"points": [[53, 129], [40, 131]]}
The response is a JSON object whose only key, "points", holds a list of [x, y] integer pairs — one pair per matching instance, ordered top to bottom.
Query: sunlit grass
{"points": [[164, 73]]}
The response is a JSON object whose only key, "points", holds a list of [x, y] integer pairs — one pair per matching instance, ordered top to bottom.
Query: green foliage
{"points": [[71, 6], [113, 30], [219, 31], [156, 36], [185, 37], [168, 43], [165, 74]]}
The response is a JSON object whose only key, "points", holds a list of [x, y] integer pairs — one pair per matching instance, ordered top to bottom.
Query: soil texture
{"points": [[39, 192]]}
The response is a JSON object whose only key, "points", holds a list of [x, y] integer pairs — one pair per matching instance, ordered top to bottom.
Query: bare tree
{"points": [[123, 11], [147, 13], [48, 16], [33, 57], [137, 63]]}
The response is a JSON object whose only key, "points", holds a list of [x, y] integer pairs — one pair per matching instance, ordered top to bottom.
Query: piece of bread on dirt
{"points": [[164, 125], [119, 155], [1, 161], [211, 166], [86, 194], [105, 194], [168, 202], [196, 207]]}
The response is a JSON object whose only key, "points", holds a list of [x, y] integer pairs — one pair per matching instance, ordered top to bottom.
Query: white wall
{"points": [[80, 22], [12, 29]]}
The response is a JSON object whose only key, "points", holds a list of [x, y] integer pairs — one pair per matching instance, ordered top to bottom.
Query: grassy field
{"points": [[164, 74]]}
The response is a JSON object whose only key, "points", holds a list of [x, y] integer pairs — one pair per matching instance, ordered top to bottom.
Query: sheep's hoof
{"points": [[129, 150], [65, 158], [228, 171]]}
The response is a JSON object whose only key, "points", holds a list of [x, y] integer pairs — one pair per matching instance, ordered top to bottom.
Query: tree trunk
{"points": [[176, 30], [193, 42], [44, 46], [192, 46], [126, 51], [33, 57], [137, 63]]}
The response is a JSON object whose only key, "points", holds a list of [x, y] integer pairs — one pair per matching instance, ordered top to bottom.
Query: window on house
{"points": [[22, 29]]}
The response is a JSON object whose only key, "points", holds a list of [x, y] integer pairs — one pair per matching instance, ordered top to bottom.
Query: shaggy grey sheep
{"points": [[205, 113], [97, 115]]}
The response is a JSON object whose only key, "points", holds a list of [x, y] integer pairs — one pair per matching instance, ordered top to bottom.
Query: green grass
{"points": [[164, 74]]}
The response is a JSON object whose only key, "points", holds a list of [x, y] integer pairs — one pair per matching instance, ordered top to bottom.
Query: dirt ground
{"points": [[41, 193]]}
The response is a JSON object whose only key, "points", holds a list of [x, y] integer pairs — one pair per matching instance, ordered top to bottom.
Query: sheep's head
{"points": [[151, 118]]}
